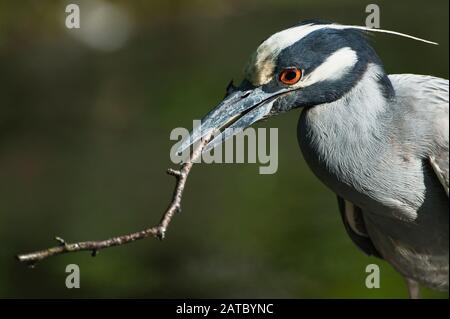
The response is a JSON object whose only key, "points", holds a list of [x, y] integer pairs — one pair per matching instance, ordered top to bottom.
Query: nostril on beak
{"points": [[245, 94]]}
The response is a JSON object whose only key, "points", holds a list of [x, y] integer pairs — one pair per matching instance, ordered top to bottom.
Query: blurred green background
{"points": [[85, 117]]}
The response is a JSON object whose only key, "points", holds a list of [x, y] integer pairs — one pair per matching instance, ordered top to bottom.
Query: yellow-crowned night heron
{"points": [[380, 142]]}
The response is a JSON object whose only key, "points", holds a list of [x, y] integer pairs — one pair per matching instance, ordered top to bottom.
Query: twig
{"points": [[158, 231]]}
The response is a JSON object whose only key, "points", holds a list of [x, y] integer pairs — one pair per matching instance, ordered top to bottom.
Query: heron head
{"points": [[310, 64]]}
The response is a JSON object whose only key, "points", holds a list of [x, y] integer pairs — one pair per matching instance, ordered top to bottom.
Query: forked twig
{"points": [[156, 231]]}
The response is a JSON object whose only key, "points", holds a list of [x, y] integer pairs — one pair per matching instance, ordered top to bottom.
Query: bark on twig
{"points": [[158, 231]]}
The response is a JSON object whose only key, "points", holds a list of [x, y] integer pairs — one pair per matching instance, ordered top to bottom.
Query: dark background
{"points": [[85, 117]]}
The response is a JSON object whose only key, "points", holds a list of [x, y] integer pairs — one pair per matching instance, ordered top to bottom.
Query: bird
{"points": [[379, 141]]}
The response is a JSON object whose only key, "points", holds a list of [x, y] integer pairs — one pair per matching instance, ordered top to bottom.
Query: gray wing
{"points": [[428, 96], [439, 162], [353, 219]]}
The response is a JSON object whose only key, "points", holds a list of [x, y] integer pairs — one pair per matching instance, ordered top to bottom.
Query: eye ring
{"points": [[290, 76]]}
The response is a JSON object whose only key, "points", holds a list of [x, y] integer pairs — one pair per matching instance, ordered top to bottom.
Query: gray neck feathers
{"points": [[351, 133]]}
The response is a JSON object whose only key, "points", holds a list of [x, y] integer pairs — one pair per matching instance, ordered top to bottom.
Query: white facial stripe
{"points": [[281, 40], [262, 65], [333, 68], [260, 70]]}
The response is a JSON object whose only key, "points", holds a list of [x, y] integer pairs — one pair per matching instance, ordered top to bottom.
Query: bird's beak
{"points": [[236, 112]]}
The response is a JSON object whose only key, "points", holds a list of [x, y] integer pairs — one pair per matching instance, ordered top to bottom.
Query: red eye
{"points": [[290, 76]]}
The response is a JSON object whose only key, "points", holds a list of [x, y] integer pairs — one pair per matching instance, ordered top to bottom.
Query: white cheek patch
{"points": [[333, 68]]}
